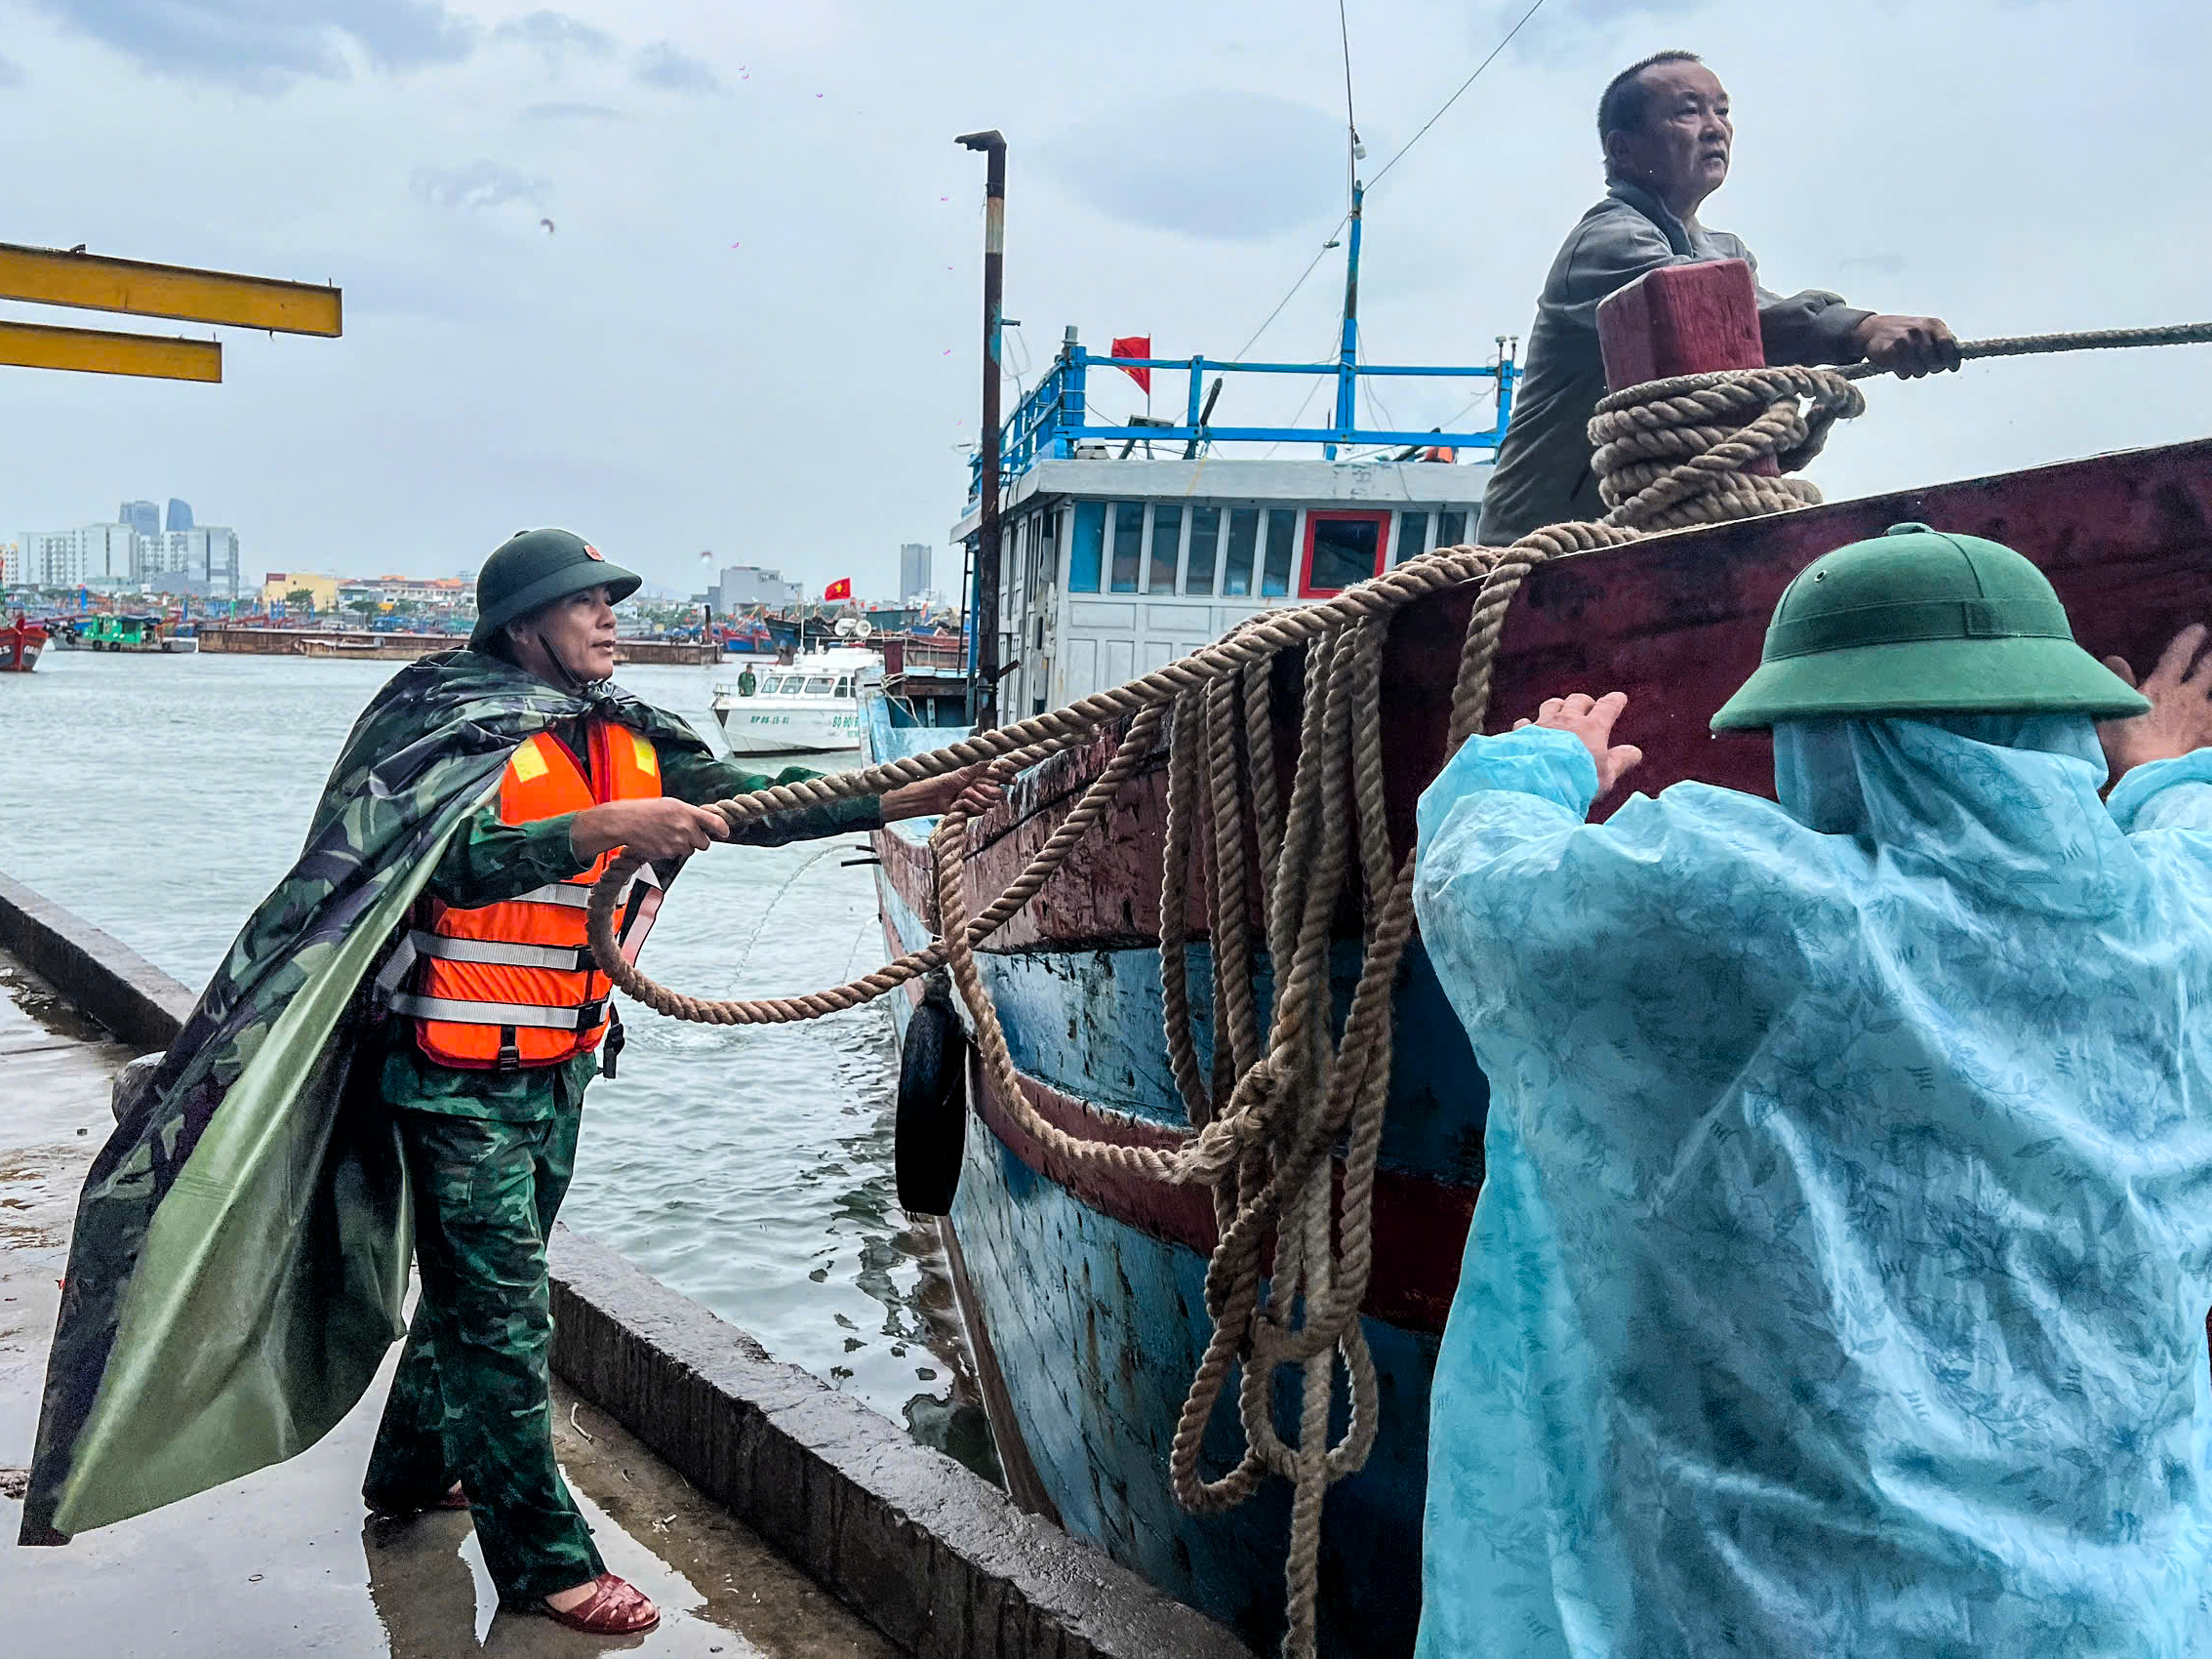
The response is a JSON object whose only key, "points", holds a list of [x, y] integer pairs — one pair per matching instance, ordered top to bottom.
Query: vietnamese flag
{"points": [[1136, 345], [841, 588]]}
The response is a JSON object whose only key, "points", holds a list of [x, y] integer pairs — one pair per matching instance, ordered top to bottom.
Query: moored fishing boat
{"points": [[129, 631], [21, 643], [808, 705], [1085, 1285]]}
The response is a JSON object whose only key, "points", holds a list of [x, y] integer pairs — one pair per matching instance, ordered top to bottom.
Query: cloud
{"points": [[556, 34], [264, 45], [667, 66], [10, 74], [573, 112], [1223, 165], [479, 184]]}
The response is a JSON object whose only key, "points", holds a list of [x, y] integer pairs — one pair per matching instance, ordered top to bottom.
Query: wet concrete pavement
{"points": [[284, 1562]]}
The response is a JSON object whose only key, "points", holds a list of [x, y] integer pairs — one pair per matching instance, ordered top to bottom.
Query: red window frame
{"points": [[1313, 521]]}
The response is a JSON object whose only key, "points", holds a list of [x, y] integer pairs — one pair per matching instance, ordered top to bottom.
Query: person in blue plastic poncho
{"points": [[1839, 1285]]}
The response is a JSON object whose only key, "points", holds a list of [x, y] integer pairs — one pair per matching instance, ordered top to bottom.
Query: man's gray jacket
{"points": [[1544, 475]]}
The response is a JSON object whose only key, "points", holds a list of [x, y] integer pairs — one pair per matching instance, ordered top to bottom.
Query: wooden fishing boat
{"points": [[20, 643], [1083, 1288], [1083, 1291]]}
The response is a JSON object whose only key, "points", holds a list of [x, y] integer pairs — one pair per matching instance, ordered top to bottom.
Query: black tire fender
{"points": [[931, 1129]]}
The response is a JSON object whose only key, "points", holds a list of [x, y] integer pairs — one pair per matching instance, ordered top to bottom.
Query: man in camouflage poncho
{"points": [[240, 1255]]}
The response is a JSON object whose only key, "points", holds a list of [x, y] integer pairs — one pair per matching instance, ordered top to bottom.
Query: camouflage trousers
{"points": [[473, 1400]]}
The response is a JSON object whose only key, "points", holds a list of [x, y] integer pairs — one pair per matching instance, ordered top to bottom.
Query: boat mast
{"points": [[1347, 351], [982, 682]]}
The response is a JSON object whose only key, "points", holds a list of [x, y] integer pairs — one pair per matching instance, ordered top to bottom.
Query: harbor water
{"points": [[160, 798]]}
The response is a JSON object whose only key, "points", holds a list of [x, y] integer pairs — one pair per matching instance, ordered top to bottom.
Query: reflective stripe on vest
{"points": [[513, 983]]}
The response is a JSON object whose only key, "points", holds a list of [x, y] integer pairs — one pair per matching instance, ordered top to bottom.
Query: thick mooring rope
{"points": [[1267, 1118]]}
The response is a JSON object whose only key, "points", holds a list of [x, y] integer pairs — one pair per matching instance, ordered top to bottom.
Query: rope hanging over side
{"points": [[1268, 1115]]}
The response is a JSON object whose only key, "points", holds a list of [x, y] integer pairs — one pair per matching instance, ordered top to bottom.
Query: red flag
{"points": [[1136, 345], [841, 588]]}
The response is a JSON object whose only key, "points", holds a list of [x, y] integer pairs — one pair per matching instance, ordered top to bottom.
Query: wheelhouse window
{"points": [[1282, 525], [1451, 529], [1413, 536], [1205, 537], [1243, 541], [1128, 544], [1167, 544], [1342, 548], [1086, 550], [1044, 552], [818, 686], [844, 686]]}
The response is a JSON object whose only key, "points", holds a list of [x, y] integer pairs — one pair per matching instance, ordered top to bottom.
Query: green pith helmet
{"points": [[534, 567], [1918, 621]]}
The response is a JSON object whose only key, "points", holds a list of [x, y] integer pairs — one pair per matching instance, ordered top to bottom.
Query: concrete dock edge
{"points": [[103, 976], [930, 1554], [934, 1556]]}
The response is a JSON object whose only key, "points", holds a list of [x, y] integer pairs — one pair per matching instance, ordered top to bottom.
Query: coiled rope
{"points": [[1268, 1116]]}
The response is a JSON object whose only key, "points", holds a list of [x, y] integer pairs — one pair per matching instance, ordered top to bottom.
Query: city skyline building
{"points": [[179, 514], [142, 516], [93, 554], [913, 570]]}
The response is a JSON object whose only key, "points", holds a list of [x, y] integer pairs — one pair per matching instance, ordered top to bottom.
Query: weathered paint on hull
{"points": [[1089, 1291], [1088, 1297], [1097, 1327]]}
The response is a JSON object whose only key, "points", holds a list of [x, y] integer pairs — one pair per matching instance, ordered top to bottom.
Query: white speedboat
{"points": [[802, 707]]}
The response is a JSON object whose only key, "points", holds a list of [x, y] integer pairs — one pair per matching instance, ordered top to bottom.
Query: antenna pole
{"points": [[983, 683]]}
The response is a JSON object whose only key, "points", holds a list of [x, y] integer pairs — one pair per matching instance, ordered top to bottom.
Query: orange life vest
{"points": [[513, 985]]}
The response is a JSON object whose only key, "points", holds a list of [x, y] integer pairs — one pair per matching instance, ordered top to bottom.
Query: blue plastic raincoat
{"points": [[1839, 1285]]}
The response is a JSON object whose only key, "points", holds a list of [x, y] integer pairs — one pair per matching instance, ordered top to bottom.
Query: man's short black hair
{"points": [[1626, 97]]}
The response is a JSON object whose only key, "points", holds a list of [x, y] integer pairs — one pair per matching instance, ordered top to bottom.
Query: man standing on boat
{"points": [[1664, 124], [412, 1011], [1837, 1284]]}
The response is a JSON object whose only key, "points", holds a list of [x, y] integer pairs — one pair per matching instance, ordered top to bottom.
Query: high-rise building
{"points": [[179, 514], [142, 516], [104, 554], [202, 561], [913, 570]]}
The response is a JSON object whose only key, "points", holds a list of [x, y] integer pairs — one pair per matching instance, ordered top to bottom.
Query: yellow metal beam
{"points": [[49, 276], [91, 350]]}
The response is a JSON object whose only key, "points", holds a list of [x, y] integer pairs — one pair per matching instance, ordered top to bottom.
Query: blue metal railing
{"points": [[1054, 417]]}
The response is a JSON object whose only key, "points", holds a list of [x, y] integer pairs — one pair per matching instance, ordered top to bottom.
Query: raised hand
{"points": [[1590, 718], [2180, 721]]}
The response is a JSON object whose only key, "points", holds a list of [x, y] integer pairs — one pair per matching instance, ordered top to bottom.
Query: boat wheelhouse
{"points": [[1115, 558]]}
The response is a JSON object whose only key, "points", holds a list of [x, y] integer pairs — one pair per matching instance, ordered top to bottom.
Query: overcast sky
{"points": [[753, 326]]}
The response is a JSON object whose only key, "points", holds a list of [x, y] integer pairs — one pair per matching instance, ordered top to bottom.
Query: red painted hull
{"points": [[21, 644]]}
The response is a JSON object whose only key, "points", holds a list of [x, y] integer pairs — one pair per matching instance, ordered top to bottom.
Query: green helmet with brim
{"points": [[534, 568], [1918, 621]]}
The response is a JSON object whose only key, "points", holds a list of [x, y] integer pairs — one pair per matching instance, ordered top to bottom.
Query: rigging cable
{"points": [[1455, 97], [1354, 149], [1331, 240]]}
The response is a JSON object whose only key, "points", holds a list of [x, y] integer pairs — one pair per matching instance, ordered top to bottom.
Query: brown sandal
{"points": [[615, 1607]]}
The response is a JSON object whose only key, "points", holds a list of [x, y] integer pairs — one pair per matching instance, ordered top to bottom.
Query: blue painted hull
{"points": [[1096, 1324]]}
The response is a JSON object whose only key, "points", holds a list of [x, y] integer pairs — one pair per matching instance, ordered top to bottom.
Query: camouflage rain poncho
{"points": [[241, 1247]]}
